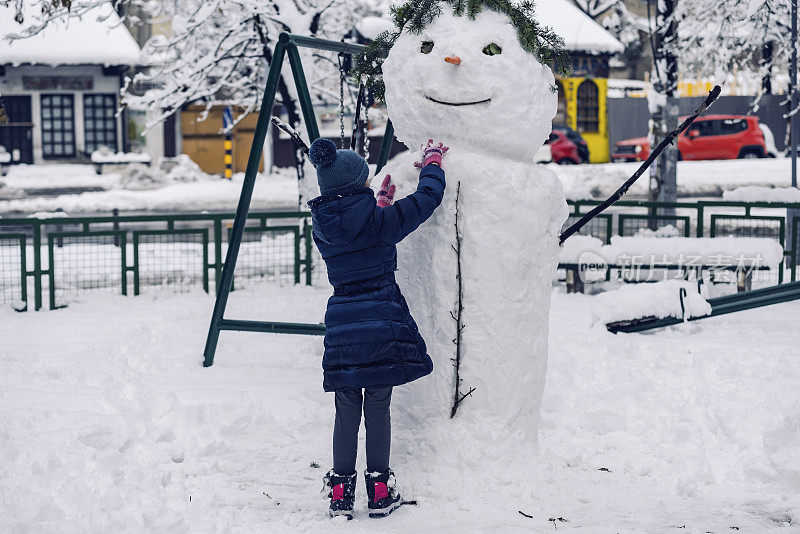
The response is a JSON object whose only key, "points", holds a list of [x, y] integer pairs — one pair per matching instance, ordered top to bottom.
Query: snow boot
{"points": [[341, 490], [382, 492]]}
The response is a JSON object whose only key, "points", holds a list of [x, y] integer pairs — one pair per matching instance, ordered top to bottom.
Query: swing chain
{"points": [[341, 99], [366, 126]]}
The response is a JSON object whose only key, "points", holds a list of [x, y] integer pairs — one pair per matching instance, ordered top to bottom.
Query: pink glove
{"points": [[432, 154], [386, 193]]}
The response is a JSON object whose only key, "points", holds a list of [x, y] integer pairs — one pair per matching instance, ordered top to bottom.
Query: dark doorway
{"points": [[16, 128]]}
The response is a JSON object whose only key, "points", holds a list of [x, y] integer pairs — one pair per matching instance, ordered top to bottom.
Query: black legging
{"points": [[377, 422]]}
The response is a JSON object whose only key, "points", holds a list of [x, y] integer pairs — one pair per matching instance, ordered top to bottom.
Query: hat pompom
{"points": [[322, 152]]}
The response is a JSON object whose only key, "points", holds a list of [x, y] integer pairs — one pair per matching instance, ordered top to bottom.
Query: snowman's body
{"points": [[493, 112], [509, 217]]}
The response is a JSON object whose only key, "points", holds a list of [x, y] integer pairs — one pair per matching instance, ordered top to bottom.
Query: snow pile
{"points": [[98, 36], [106, 155], [5, 156], [180, 169], [137, 177], [7, 192], [790, 195], [663, 231], [577, 247], [741, 251], [659, 300], [111, 424]]}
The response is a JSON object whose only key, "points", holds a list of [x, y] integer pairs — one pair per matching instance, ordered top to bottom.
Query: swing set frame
{"points": [[286, 47]]}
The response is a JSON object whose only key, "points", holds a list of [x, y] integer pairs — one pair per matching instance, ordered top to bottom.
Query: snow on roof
{"points": [[580, 31], [98, 37]]}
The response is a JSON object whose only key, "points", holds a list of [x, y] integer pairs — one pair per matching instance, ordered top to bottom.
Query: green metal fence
{"points": [[48, 262]]}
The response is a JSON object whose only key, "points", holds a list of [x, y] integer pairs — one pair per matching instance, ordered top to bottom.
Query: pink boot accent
{"points": [[338, 492], [381, 492]]}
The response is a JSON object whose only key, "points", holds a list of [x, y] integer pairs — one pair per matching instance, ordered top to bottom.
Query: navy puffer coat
{"points": [[371, 339]]}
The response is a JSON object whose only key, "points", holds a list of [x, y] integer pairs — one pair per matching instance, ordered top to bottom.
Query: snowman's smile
{"points": [[484, 101]]}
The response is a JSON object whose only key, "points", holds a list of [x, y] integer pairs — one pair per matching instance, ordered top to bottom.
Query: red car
{"points": [[710, 137], [562, 150]]}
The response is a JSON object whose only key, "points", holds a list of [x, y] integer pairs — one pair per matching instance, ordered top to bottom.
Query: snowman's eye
{"points": [[426, 47], [492, 49]]}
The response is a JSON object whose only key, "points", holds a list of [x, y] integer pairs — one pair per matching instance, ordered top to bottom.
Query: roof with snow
{"points": [[580, 32], [98, 37]]}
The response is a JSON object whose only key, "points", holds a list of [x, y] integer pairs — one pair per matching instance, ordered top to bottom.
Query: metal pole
{"points": [[303, 95], [793, 121], [794, 126], [386, 146], [663, 175], [223, 291]]}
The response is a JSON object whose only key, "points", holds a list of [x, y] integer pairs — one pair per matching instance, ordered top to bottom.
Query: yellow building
{"points": [[582, 96], [582, 107]]}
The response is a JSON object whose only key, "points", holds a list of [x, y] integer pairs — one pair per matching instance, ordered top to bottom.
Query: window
{"points": [[588, 107], [561, 112], [99, 122], [58, 126], [732, 126], [706, 128]]}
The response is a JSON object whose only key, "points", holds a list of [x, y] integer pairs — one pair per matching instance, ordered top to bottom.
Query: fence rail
{"points": [[53, 260], [50, 261]]}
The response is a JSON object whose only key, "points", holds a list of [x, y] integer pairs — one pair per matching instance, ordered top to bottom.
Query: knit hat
{"points": [[338, 171]]}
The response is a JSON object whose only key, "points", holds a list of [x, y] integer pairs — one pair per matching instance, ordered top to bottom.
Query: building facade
{"points": [[60, 88], [61, 113]]}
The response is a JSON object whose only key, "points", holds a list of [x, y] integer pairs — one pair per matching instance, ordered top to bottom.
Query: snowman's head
{"points": [[469, 83]]}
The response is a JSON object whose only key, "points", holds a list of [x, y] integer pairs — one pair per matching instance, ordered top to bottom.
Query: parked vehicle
{"points": [[710, 137], [580, 142], [563, 151]]}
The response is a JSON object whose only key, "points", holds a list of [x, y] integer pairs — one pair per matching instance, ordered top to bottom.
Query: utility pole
{"points": [[664, 108], [794, 121], [794, 125], [227, 126]]}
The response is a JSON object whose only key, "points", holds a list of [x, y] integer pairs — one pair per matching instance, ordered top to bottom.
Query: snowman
{"points": [[470, 84]]}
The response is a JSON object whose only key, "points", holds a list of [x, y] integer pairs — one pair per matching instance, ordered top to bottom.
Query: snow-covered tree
{"points": [[595, 8], [631, 30], [727, 36], [219, 50]]}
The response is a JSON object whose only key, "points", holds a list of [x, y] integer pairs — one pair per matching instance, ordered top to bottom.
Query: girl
{"points": [[371, 343]]}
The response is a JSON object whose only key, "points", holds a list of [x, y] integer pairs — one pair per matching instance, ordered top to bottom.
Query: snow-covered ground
{"points": [[695, 178], [279, 190], [169, 192], [110, 424]]}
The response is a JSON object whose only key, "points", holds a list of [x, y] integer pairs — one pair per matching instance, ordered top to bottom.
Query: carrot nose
{"points": [[455, 60]]}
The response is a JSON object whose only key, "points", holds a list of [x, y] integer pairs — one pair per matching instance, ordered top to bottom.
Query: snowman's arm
{"points": [[393, 223]]}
